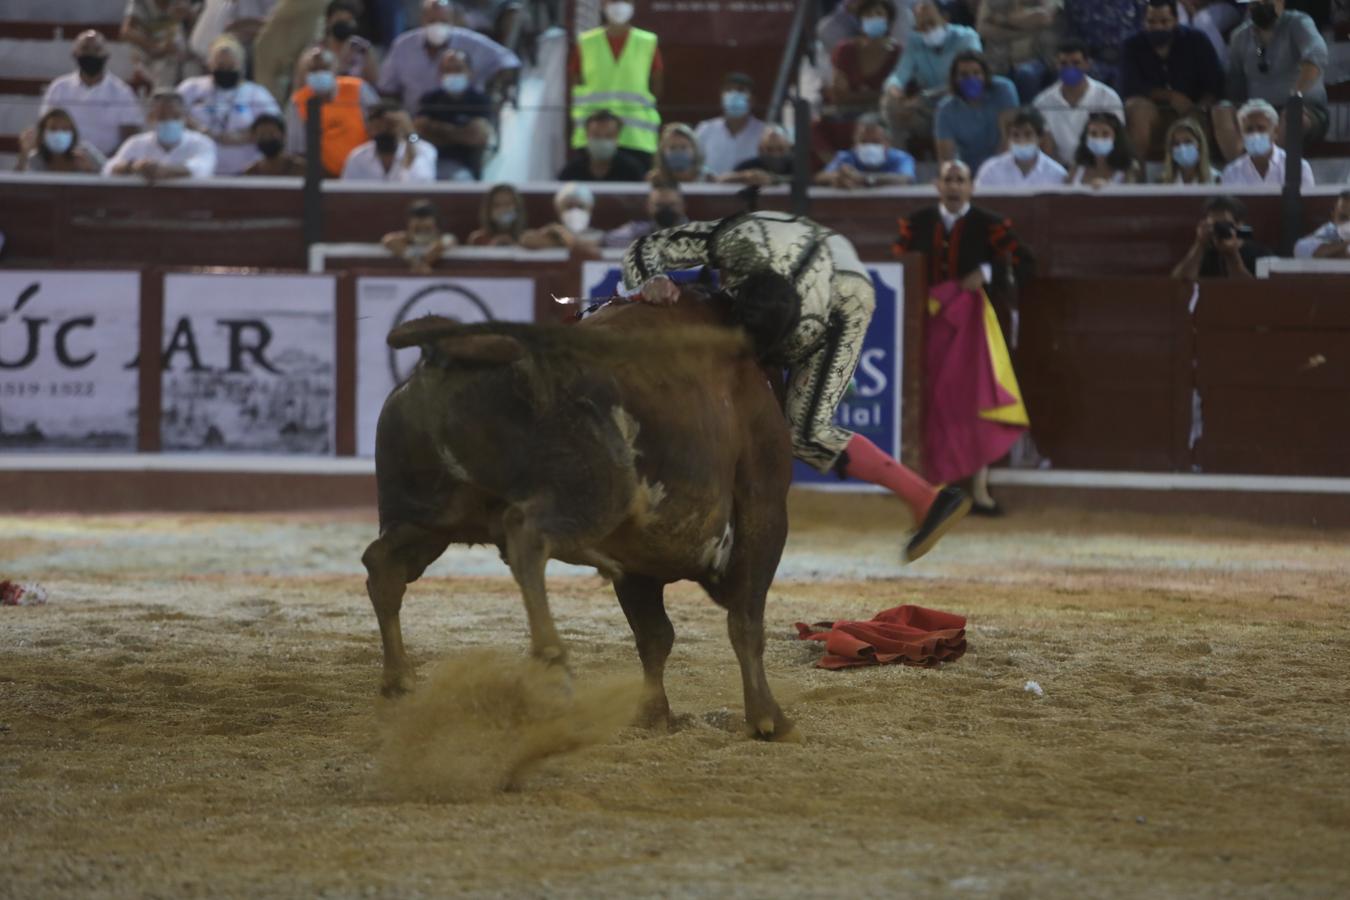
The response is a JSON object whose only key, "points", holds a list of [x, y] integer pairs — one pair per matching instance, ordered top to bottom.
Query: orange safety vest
{"points": [[343, 123]]}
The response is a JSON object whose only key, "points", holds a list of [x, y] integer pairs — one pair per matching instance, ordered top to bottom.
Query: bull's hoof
{"points": [[396, 686], [654, 715], [778, 729]]}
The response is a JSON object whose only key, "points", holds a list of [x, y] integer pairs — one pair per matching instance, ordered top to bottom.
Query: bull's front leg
{"points": [[527, 551]]}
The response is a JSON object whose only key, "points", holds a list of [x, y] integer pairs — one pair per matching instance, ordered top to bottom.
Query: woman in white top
{"points": [[222, 105], [1104, 155], [1187, 158]]}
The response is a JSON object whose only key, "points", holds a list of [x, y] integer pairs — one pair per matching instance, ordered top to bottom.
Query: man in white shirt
{"points": [[1067, 103], [223, 106], [103, 107], [732, 139], [169, 149], [394, 153], [1263, 163], [1025, 164], [1332, 239]]}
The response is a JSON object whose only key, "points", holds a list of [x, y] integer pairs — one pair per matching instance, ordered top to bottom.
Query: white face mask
{"points": [[619, 13], [438, 33], [936, 36], [871, 155], [576, 219]]}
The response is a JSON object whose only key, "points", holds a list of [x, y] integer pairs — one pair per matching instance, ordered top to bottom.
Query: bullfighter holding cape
{"points": [[767, 259], [973, 411]]}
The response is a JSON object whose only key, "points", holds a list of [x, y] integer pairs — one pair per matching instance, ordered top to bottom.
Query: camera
{"points": [[1225, 230]]}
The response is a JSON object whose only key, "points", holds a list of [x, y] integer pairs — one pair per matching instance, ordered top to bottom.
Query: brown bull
{"points": [[654, 452]]}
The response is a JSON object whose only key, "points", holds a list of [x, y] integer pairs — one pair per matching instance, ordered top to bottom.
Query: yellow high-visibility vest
{"points": [[618, 85]]}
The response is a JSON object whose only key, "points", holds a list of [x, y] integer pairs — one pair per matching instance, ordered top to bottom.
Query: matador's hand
{"points": [[660, 291]]}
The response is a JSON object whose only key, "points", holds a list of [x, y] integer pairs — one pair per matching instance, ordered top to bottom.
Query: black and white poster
{"points": [[383, 303], [68, 348], [249, 363]]}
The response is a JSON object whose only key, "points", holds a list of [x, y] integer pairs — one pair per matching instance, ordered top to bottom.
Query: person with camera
{"points": [[1223, 246]]}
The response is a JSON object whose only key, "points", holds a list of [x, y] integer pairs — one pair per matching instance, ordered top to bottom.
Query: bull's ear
{"points": [[422, 331], [484, 349]]}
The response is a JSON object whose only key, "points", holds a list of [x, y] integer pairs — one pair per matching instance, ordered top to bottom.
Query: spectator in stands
{"points": [[246, 18], [1214, 19], [1104, 26], [157, 31], [285, 37], [1020, 37], [1275, 53], [354, 54], [860, 63], [412, 68], [619, 68], [1169, 71], [921, 78], [1067, 103], [102, 105], [223, 105], [343, 114], [455, 118], [971, 118], [269, 136], [732, 138], [54, 145], [169, 150], [394, 153], [1104, 156], [679, 157], [1186, 157], [602, 160], [872, 162], [1263, 163], [1025, 164], [773, 165], [573, 204], [665, 209], [501, 218], [1332, 239], [422, 242], [1223, 247]]}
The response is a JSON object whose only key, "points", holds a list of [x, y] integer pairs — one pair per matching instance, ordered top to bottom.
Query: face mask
{"points": [[619, 13], [1263, 15], [874, 26], [342, 30], [437, 33], [935, 37], [1159, 39], [91, 65], [1072, 76], [225, 79], [321, 82], [456, 83], [971, 87], [735, 103], [170, 132], [58, 141], [386, 142], [1257, 143], [1101, 146], [270, 147], [602, 149], [1025, 151], [871, 155], [1185, 155], [678, 160], [665, 216], [504, 218], [576, 219], [1343, 229], [424, 238]]}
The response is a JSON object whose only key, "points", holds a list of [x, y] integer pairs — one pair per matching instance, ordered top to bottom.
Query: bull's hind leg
{"points": [[527, 550], [396, 558], [645, 607]]}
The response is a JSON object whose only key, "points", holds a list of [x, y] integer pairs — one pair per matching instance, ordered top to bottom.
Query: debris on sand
{"points": [[13, 593], [1034, 687]]}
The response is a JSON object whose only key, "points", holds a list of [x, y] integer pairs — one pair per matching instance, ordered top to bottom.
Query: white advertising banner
{"points": [[382, 303], [68, 360], [249, 363]]}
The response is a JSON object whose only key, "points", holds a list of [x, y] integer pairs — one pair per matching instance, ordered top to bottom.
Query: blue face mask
{"points": [[875, 26], [1072, 76], [321, 82], [456, 83], [971, 87], [735, 103], [170, 132], [58, 142], [1257, 143], [1101, 146], [1024, 151], [1185, 155], [678, 160]]}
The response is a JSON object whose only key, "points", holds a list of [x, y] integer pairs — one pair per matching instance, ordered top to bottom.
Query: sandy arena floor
{"points": [[194, 713]]}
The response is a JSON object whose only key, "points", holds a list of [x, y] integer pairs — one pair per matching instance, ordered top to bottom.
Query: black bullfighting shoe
{"points": [[949, 507]]}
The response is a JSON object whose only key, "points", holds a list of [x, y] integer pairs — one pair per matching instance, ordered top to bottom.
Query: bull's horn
{"points": [[422, 331]]}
